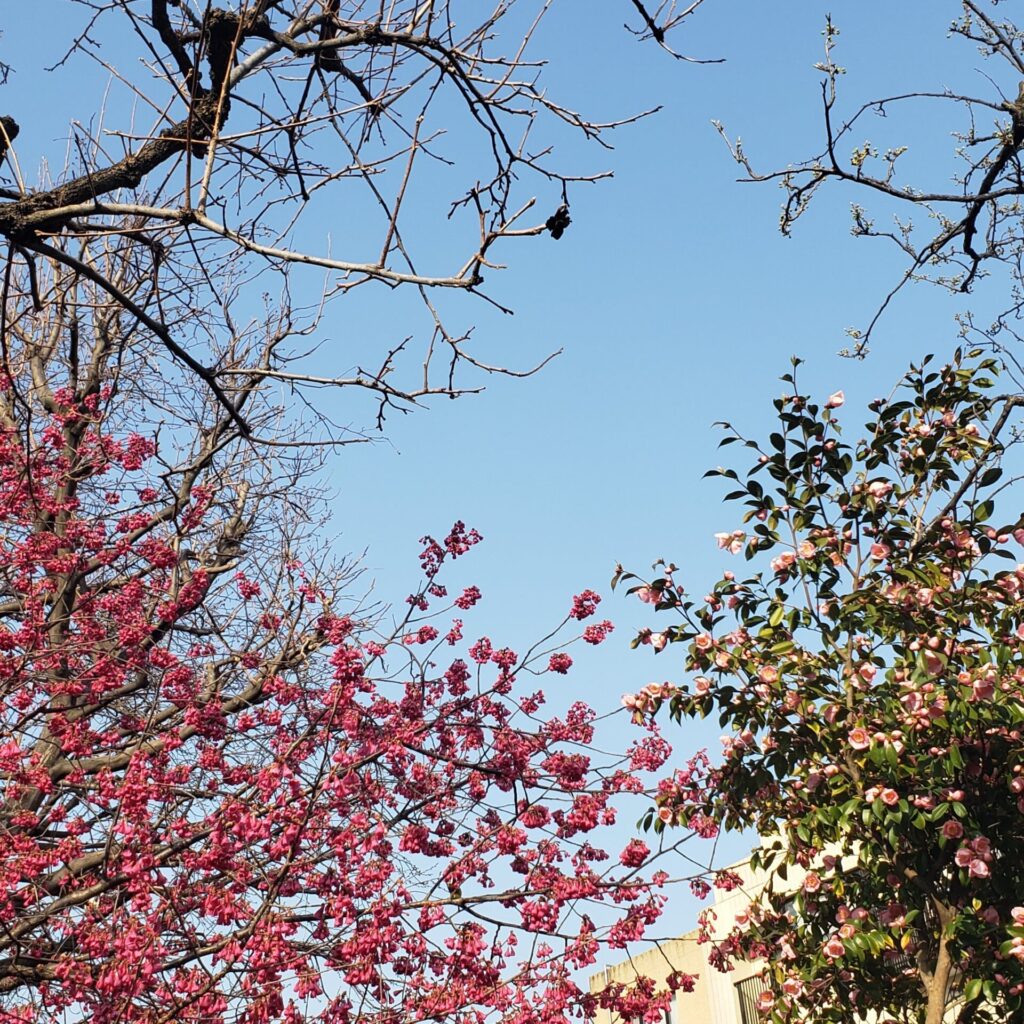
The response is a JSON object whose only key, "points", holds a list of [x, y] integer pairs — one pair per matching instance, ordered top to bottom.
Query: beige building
{"points": [[717, 998]]}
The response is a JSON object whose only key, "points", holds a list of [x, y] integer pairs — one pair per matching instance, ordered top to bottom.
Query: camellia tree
{"points": [[871, 678]]}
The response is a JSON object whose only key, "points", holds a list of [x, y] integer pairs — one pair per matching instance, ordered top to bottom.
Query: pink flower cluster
{"points": [[976, 856]]}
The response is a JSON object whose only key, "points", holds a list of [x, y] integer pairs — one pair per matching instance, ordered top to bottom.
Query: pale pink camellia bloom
{"points": [[835, 400], [879, 489], [731, 542], [806, 549], [880, 551], [783, 562], [648, 595], [658, 641], [704, 641], [867, 671], [768, 674], [701, 684], [982, 689], [629, 701], [859, 738], [889, 797], [952, 829], [982, 845], [963, 857], [978, 868], [812, 883], [1017, 913], [893, 916], [847, 931], [834, 948], [792, 987], [765, 1001]]}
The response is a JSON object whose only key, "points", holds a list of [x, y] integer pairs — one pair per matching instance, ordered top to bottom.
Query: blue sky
{"points": [[674, 297]]}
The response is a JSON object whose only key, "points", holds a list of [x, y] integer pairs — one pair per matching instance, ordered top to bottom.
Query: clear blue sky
{"points": [[673, 295]]}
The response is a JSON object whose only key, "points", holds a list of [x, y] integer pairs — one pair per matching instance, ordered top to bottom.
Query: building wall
{"points": [[682, 954], [714, 1000]]}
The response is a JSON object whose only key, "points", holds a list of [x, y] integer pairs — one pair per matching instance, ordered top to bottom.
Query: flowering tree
{"points": [[870, 676], [228, 793]]}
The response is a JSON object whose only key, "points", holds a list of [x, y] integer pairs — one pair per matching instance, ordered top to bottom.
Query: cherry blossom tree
{"points": [[869, 673], [233, 787], [233, 792]]}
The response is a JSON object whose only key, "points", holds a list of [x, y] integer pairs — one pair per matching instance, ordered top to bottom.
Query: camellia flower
{"points": [[835, 400], [731, 542], [859, 738], [952, 829], [834, 947]]}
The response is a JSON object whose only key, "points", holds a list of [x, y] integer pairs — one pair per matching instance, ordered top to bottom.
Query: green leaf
{"points": [[972, 989]]}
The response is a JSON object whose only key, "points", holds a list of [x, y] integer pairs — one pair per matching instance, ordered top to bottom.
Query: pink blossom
{"points": [[835, 400], [731, 542], [783, 563], [560, 663], [867, 671], [859, 738], [889, 797], [952, 829], [635, 853], [834, 948]]}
